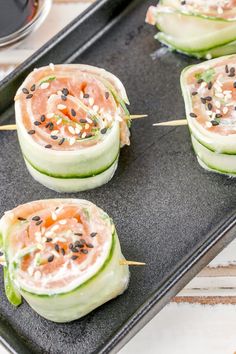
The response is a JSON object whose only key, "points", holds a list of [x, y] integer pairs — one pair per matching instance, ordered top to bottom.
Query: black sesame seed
{"points": [[183, 2], [226, 69], [200, 81], [235, 84], [209, 86], [33, 87], [25, 91], [65, 91], [194, 93], [86, 95], [107, 95], [29, 96], [64, 98], [208, 98], [203, 100], [209, 106], [73, 113], [193, 115], [218, 115], [42, 118], [82, 120], [37, 123], [214, 123], [48, 124], [51, 126], [103, 130], [31, 132], [54, 137], [61, 141], [48, 146], [36, 218], [21, 219], [39, 222], [78, 234], [93, 234], [49, 239], [83, 241], [79, 244], [89, 245], [71, 246], [57, 248], [74, 250], [63, 251], [84, 251], [1, 253], [74, 257], [51, 258]]}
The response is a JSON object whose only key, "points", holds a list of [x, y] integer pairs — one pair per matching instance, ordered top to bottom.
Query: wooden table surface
{"points": [[202, 318]]}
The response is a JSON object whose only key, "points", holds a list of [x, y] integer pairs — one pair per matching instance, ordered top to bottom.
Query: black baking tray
{"points": [[169, 212]]}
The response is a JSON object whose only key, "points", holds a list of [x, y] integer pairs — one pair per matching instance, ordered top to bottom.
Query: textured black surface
{"points": [[163, 203]]}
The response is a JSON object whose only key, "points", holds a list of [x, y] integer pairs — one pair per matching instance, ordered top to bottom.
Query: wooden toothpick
{"points": [[137, 116], [172, 123], [8, 127], [133, 263]]}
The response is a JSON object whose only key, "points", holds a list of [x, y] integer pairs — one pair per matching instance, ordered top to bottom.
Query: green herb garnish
{"points": [[206, 76], [50, 78]]}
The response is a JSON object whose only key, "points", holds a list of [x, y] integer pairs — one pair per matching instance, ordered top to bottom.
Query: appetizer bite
{"points": [[200, 28], [209, 91], [71, 122], [62, 256]]}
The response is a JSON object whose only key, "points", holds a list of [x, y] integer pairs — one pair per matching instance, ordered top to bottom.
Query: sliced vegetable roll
{"points": [[200, 28], [209, 91], [71, 122], [62, 256]]}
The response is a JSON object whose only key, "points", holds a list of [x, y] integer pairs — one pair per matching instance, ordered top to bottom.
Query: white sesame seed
{"points": [[208, 56], [52, 67], [44, 85], [203, 85], [59, 93], [81, 95], [219, 95], [91, 101], [217, 103], [61, 106], [95, 108], [225, 110], [209, 113], [50, 115], [89, 120], [59, 121], [208, 124], [86, 126], [71, 129], [77, 130], [54, 132], [83, 135], [72, 141], [54, 216], [63, 222], [43, 229], [48, 233], [38, 234], [44, 239], [39, 246], [55, 253], [37, 275]]}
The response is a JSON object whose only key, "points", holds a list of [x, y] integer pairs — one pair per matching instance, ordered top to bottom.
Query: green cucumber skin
{"points": [[198, 46], [215, 52], [222, 163], [73, 185], [110, 281], [12, 294]]}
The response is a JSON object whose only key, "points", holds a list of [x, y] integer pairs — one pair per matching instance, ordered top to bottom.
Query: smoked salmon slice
{"points": [[71, 122], [62, 256]]}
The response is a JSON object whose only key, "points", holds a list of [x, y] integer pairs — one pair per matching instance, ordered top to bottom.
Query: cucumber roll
{"points": [[200, 28], [209, 91], [71, 122], [62, 256]]}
